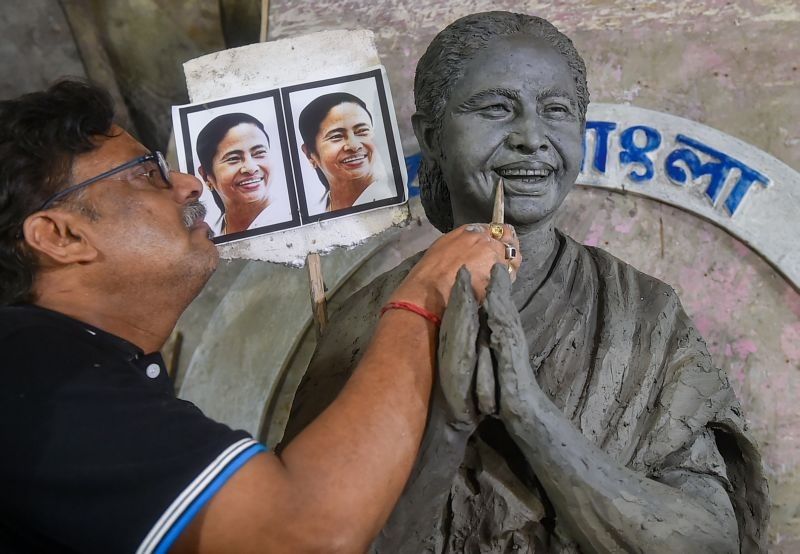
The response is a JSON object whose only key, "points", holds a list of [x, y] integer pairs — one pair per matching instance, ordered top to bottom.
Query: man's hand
{"points": [[430, 281]]}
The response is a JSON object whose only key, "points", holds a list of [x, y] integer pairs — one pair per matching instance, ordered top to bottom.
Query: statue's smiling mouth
{"points": [[531, 175], [528, 179]]}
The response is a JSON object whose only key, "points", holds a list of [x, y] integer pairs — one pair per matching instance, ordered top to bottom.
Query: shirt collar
{"points": [[98, 336]]}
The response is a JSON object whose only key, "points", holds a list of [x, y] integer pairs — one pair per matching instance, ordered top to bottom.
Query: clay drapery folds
{"points": [[614, 350]]}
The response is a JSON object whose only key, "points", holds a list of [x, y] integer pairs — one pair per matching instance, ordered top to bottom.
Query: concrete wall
{"points": [[36, 47]]}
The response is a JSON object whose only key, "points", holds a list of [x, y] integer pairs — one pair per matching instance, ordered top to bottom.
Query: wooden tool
{"points": [[498, 212]]}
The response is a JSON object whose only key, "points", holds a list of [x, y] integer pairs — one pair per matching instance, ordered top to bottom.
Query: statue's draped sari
{"points": [[615, 351]]}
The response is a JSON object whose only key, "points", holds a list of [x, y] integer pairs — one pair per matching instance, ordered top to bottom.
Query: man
{"points": [[101, 249], [596, 421]]}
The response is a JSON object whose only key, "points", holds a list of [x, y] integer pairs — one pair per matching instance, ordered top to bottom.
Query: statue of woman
{"points": [[608, 429]]}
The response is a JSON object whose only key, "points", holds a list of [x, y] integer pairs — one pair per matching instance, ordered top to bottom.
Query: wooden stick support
{"points": [[262, 36], [319, 304]]}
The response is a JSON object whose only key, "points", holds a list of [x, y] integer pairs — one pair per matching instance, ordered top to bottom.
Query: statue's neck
{"points": [[539, 247]]}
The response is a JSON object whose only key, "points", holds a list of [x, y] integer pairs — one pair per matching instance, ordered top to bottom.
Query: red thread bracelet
{"points": [[433, 318]]}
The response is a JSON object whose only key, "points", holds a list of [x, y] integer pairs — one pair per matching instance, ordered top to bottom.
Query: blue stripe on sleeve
{"points": [[187, 516]]}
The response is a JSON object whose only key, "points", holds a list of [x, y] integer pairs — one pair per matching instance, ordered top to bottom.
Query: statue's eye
{"points": [[557, 109], [495, 110]]}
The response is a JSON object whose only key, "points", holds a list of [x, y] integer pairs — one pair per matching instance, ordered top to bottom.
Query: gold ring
{"points": [[496, 230]]}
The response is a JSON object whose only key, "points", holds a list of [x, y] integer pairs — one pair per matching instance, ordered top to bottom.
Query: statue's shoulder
{"points": [[619, 274], [371, 297], [340, 347]]}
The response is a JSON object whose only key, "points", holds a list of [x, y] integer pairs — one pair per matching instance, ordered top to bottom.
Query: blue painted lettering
{"points": [[602, 130], [633, 154], [717, 170]]}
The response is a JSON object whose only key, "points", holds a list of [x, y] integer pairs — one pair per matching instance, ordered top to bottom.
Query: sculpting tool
{"points": [[498, 213]]}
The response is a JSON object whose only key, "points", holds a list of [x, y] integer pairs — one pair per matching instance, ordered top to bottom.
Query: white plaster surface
{"points": [[267, 65]]}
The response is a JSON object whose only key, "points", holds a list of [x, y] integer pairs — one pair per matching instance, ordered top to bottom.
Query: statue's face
{"points": [[514, 114]]}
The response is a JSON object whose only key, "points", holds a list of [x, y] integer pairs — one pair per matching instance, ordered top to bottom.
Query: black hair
{"points": [[443, 64], [315, 112], [41, 133], [212, 134]]}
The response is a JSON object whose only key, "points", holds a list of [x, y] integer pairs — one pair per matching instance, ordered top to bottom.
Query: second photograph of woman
{"points": [[344, 157]]}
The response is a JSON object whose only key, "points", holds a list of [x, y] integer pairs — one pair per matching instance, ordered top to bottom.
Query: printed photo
{"points": [[344, 146], [237, 147]]}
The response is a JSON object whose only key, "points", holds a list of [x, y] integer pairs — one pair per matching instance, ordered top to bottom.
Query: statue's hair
{"points": [[442, 66]]}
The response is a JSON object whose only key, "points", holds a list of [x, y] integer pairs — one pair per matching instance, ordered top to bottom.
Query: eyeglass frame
{"points": [[158, 157]]}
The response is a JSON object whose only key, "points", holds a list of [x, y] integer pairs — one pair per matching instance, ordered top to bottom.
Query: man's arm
{"points": [[333, 487], [606, 507], [413, 524]]}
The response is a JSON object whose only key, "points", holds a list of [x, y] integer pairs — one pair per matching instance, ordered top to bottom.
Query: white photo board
{"points": [[282, 158]]}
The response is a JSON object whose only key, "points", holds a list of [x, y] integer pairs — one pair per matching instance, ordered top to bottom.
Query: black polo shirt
{"points": [[98, 455]]}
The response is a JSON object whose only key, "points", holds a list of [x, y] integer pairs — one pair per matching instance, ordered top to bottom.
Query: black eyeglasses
{"points": [[158, 157]]}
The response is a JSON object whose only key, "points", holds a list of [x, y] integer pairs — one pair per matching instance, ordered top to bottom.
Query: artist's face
{"points": [[514, 114], [344, 144], [240, 170], [140, 230]]}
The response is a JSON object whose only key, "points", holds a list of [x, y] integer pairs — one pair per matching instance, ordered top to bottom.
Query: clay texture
{"points": [[634, 378]]}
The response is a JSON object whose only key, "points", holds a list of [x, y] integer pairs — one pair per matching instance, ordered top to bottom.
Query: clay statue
{"points": [[580, 410]]}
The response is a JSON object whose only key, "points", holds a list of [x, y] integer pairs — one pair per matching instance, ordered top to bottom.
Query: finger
{"points": [[475, 228], [503, 232], [510, 234], [511, 240], [513, 260], [512, 273], [502, 315], [508, 341], [457, 353], [485, 386]]}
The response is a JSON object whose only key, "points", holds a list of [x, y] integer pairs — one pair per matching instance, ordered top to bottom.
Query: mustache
{"points": [[193, 212]]}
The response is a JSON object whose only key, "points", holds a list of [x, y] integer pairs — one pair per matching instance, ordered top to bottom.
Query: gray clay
{"points": [[576, 410]]}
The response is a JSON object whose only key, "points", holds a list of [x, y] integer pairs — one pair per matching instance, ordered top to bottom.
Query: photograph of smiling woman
{"points": [[338, 135], [235, 162]]}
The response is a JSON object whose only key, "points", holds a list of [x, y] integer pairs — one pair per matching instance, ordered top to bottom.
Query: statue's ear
{"points": [[425, 132]]}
